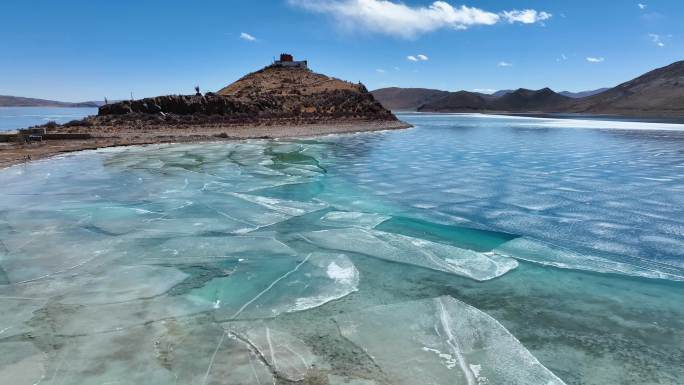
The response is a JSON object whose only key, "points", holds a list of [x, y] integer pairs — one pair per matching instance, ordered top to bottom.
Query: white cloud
{"points": [[642, 6], [527, 16], [398, 19], [248, 37], [656, 39], [419, 57], [562, 58], [591, 59], [505, 64], [380, 71], [484, 90]]}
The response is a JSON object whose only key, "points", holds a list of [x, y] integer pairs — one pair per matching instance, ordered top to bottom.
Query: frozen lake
{"points": [[470, 250]]}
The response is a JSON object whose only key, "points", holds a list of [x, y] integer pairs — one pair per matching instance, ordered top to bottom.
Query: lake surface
{"points": [[13, 118], [470, 249]]}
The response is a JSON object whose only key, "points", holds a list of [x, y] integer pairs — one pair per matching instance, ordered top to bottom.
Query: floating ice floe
{"points": [[353, 219], [414, 251], [546, 254], [266, 287], [442, 341], [285, 354]]}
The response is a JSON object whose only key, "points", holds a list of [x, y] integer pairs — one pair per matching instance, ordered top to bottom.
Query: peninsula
{"points": [[284, 99]]}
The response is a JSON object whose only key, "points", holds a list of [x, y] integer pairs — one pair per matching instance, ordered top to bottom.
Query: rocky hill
{"points": [[272, 95], [407, 99], [18, 101]]}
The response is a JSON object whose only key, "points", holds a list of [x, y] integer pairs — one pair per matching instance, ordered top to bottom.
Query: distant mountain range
{"points": [[659, 92], [17, 101]]}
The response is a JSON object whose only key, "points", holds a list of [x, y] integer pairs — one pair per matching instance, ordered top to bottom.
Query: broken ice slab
{"points": [[292, 208], [353, 219], [459, 236], [213, 249], [414, 251], [546, 254], [28, 259], [122, 283], [266, 287], [16, 312], [74, 319], [442, 341], [169, 352], [285, 354], [21, 363]]}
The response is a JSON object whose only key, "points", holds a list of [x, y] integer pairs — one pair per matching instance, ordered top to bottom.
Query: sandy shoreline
{"points": [[14, 153]]}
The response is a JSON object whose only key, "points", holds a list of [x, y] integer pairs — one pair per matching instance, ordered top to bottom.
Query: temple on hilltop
{"points": [[287, 60]]}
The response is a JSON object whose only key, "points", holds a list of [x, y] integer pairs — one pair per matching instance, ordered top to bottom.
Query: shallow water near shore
{"points": [[469, 250]]}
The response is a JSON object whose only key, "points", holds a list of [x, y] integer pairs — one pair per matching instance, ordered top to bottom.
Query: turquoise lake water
{"points": [[13, 118], [470, 249]]}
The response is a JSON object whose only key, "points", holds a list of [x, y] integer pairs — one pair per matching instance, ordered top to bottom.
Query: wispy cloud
{"points": [[642, 6], [528, 16], [405, 21], [246, 36], [656, 39], [419, 57], [561, 58], [592, 59], [505, 64], [380, 71]]}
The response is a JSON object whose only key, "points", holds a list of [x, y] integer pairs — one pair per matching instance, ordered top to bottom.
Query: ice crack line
{"points": [[270, 287], [444, 319], [213, 357]]}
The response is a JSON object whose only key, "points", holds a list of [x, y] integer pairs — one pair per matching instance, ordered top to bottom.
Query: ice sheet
{"points": [[353, 219], [414, 251], [546, 254], [267, 287], [442, 341], [285, 354]]}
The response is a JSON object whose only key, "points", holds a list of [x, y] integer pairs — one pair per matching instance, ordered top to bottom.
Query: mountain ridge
{"points": [[657, 92], [19, 101]]}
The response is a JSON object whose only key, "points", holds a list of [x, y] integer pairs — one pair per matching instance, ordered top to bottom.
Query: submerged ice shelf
{"points": [[458, 247]]}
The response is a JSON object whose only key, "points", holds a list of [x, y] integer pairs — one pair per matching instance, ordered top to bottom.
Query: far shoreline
{"points": [[17, 153]]}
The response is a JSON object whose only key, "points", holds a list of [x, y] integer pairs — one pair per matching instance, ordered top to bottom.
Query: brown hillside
{"points": [[282, 81]]}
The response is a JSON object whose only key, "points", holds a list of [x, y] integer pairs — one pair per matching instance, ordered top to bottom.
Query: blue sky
{"points": [[86, 50]]}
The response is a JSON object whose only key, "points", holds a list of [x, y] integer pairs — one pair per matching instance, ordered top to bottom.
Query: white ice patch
{"points": [[353, 219], [414, 251], [442, 341]]}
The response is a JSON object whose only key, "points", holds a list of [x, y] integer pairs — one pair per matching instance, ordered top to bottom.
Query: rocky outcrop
{"points": [[270, 95], [214, 108]]}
